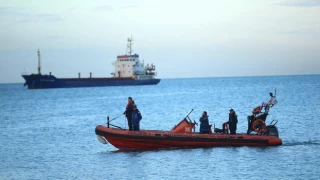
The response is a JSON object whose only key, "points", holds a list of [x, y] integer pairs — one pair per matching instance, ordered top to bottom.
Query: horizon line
{"points": [[243, 76]]}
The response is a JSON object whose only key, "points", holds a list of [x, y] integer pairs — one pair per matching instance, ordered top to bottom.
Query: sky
{"points": [[184, 39]]}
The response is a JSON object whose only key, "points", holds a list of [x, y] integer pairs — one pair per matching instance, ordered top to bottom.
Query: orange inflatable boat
{"points": [[183, 135], [153, 139]]}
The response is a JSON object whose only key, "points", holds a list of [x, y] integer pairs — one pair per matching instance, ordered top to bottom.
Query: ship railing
{"points": [[152, 73], [145, 77]]}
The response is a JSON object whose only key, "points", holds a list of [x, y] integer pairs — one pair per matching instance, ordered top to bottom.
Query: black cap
{"points": [[129, 97], [134, 106], [231, 109]]}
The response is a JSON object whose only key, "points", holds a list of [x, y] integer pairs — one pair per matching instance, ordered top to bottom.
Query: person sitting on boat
{"points": [[128, 112], [136, 117], [233, 120], [204, 123]]}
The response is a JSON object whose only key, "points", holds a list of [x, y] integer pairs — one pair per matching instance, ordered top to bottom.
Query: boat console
{"points": [[185, 125]]}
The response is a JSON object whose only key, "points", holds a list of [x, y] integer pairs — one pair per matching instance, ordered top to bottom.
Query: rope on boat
{"points": [[125, 117], [115, 118], [125, 120]]}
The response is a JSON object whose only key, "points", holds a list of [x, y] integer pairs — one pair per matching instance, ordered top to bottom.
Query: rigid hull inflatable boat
{"points": [[183, 135]]}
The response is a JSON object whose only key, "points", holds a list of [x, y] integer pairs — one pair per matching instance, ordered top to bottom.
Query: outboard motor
{"points": [[272, 130]]}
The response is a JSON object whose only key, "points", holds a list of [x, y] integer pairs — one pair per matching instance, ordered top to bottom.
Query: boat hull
{"points": [[35, 81], [152, 139]]}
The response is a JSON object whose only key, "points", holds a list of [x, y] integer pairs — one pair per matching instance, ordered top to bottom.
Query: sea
{"points": [[50, 133]]}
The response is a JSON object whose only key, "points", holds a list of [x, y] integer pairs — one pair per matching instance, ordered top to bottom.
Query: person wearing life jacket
{"points": [[128, 112], [136, 118], [233, 120], [204, 123]]}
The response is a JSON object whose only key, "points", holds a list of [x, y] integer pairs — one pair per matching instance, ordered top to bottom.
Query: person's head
{"points": [[271, 94], [129, 99], [134, 107], [231, 111], [204, 114]]}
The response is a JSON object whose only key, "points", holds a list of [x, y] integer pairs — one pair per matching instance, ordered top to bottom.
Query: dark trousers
{"points": [[129, 122], [136, 127], [233, 131]]}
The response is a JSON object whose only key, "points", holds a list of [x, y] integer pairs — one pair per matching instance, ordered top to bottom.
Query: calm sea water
{"points": [[49, 134]]}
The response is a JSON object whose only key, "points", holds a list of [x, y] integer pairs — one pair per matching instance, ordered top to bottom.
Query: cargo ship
{"points": [[128, 71]]}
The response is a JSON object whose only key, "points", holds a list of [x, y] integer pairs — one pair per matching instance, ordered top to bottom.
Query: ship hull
{"points": [[49, 81], [152, 139]]}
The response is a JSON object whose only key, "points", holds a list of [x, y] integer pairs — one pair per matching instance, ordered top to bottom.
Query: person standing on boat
{"points": [[128, 112], [136, 117], [233, 120], [204, 123]]}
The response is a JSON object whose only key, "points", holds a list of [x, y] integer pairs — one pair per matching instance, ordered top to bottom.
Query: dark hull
{"points": [[35, 81]]}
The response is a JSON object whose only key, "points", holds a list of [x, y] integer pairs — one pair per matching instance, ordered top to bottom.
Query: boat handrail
{"points": [[187, 116], [276, 121], [108, 122], [115, 126]]}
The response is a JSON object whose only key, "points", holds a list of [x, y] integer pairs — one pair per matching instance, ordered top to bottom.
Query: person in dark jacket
{"points": [[128, 112], [136, 117], [233, 120], [204, 123]]}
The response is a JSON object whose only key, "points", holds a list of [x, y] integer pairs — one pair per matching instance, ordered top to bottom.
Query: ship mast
{"points": [[129, 46], [39, 67]]}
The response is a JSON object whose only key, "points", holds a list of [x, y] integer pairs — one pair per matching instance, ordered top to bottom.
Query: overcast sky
{"points": [[187, 38]]}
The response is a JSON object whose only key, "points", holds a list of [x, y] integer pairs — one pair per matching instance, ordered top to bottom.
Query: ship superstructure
{"points": [[129, 65]]}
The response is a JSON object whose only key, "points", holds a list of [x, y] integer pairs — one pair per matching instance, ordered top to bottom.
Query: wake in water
{"points": [[313, 142]]}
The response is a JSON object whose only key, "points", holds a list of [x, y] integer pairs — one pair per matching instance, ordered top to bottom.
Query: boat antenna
{"points": [[129, 46], [39, 66]]}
